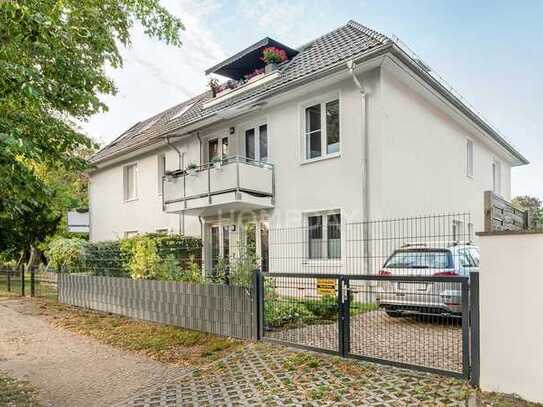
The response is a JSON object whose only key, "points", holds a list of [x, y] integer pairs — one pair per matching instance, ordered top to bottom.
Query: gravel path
{"points": [[68, 369]]}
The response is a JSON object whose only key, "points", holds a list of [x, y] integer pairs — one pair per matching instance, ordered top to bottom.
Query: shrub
{"points": [[67, 254], [323, 308], [281, 313]]}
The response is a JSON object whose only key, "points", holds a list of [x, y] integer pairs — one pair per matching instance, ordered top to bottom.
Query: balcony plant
{"points": [[273, 56], [217, 162], [191, 168]]}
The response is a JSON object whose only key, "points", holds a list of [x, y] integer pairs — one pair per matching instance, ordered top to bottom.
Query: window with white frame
{"points": [[321, 129], [256, 143], [469, 158], [161, 170], [496, 177], [130, 182], [162, 231], [130, 233], [324, 235]]}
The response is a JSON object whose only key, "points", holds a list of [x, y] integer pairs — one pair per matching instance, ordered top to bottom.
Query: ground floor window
{"points": [[324, 235]]}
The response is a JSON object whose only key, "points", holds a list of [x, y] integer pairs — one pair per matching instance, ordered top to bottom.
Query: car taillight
{"points": [[385, 273], [445, 274]]}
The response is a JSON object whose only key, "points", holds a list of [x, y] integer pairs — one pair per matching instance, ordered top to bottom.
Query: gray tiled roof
{"points": [[318, 55]]}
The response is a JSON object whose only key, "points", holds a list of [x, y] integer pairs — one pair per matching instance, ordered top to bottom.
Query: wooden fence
{"points": [[500, 215], [213, 308]]}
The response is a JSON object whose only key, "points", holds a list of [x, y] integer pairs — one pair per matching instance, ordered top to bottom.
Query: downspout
{"points": [[180, 165], [365, 167]]}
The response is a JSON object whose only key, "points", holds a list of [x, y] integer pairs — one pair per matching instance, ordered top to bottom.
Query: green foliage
{"points": [[53, 59], [526, 202], [534, 206], [66, 254], [150, 257], [323, 308], [288, 312], [281, 313]]}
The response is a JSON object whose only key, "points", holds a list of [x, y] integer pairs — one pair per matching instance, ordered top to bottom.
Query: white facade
{"points": [[417, 162], [510, 308]]}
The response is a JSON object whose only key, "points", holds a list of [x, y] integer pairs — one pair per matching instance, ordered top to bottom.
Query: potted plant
{"points": [[273, 56], [215, 86], [217, 162], [191, 168]]}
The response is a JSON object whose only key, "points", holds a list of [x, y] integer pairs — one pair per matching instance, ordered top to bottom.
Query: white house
{"points": [[350, 127]]}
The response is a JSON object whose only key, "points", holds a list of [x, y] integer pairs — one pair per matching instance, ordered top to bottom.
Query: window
{"points": [[322, 129], [256, 143], [250, 144], [218, 148], [213, 149], [225, 149], [469, 158], [161, 170], [130, 175], [496, 177], [162, 231], [130, 233], [324, 236], [420, 259]]}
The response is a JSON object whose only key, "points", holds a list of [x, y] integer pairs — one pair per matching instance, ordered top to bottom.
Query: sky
{"points": [[489, 51]]}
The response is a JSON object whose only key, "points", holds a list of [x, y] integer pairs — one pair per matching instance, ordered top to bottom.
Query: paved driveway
{"points": [[435, 342], [266, 375]]}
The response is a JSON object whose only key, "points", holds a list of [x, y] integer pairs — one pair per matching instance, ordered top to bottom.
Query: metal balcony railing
{"points": [[234, 174]]}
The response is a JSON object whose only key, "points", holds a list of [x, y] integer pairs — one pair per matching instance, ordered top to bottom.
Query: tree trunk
{"points": [[32, 260]]}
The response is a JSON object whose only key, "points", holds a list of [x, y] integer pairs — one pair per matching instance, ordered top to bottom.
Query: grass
{"points": [[160, 342], [16, 393], [503, 400]]}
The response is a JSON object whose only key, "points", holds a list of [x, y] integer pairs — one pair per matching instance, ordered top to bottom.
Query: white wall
{"points": [[419, 161], [111, 217], [511, 304]]}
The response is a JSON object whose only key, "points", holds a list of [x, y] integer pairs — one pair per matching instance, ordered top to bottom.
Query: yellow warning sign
{"points": [[326, 286]]}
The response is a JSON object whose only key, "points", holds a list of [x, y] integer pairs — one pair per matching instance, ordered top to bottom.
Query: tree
{"points": [[53, 55], [526, 202], [535, 208]]}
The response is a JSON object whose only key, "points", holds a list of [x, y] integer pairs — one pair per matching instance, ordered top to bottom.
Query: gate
{"points": [[401, 296], [359, 317]]}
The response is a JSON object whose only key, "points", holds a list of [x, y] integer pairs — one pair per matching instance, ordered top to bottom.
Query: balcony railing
{"points": [[202, 186]]}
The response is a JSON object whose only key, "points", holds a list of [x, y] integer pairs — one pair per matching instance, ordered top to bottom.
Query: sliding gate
{"points": [[417, 322]]}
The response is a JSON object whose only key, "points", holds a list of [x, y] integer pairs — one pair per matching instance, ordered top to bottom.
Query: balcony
{"points": [[231, 185]]}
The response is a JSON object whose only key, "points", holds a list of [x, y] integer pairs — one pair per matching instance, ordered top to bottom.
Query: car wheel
{"points": [[393, 314]]}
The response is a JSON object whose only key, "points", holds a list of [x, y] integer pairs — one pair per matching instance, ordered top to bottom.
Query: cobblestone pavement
{"points": [[434, 343], [266, 375]]}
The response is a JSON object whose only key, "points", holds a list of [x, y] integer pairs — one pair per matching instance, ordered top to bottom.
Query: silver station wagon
{"points": [[399, 298]]}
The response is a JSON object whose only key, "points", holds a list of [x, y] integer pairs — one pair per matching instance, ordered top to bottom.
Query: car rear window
{"points": [[420, 259]]}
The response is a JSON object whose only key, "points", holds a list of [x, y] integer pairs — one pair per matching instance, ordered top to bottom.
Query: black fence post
{"points": [[9, 281], [22, 282], [32, 282], [258, 289], [344, 316], [465, 330], [475, 342]]}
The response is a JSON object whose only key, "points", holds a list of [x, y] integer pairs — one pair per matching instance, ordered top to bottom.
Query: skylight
{"points": [[183, 110]]}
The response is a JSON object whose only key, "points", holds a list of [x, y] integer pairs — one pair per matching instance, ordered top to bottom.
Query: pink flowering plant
{"points": [[273, 55], [256, 72]]}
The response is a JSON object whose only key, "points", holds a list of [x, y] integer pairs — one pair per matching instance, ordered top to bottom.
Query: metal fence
{"points": [[33, 283], [391, 291], [213, 308]]}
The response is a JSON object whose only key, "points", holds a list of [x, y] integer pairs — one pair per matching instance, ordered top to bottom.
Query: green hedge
{"points": [[149, 256]]}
